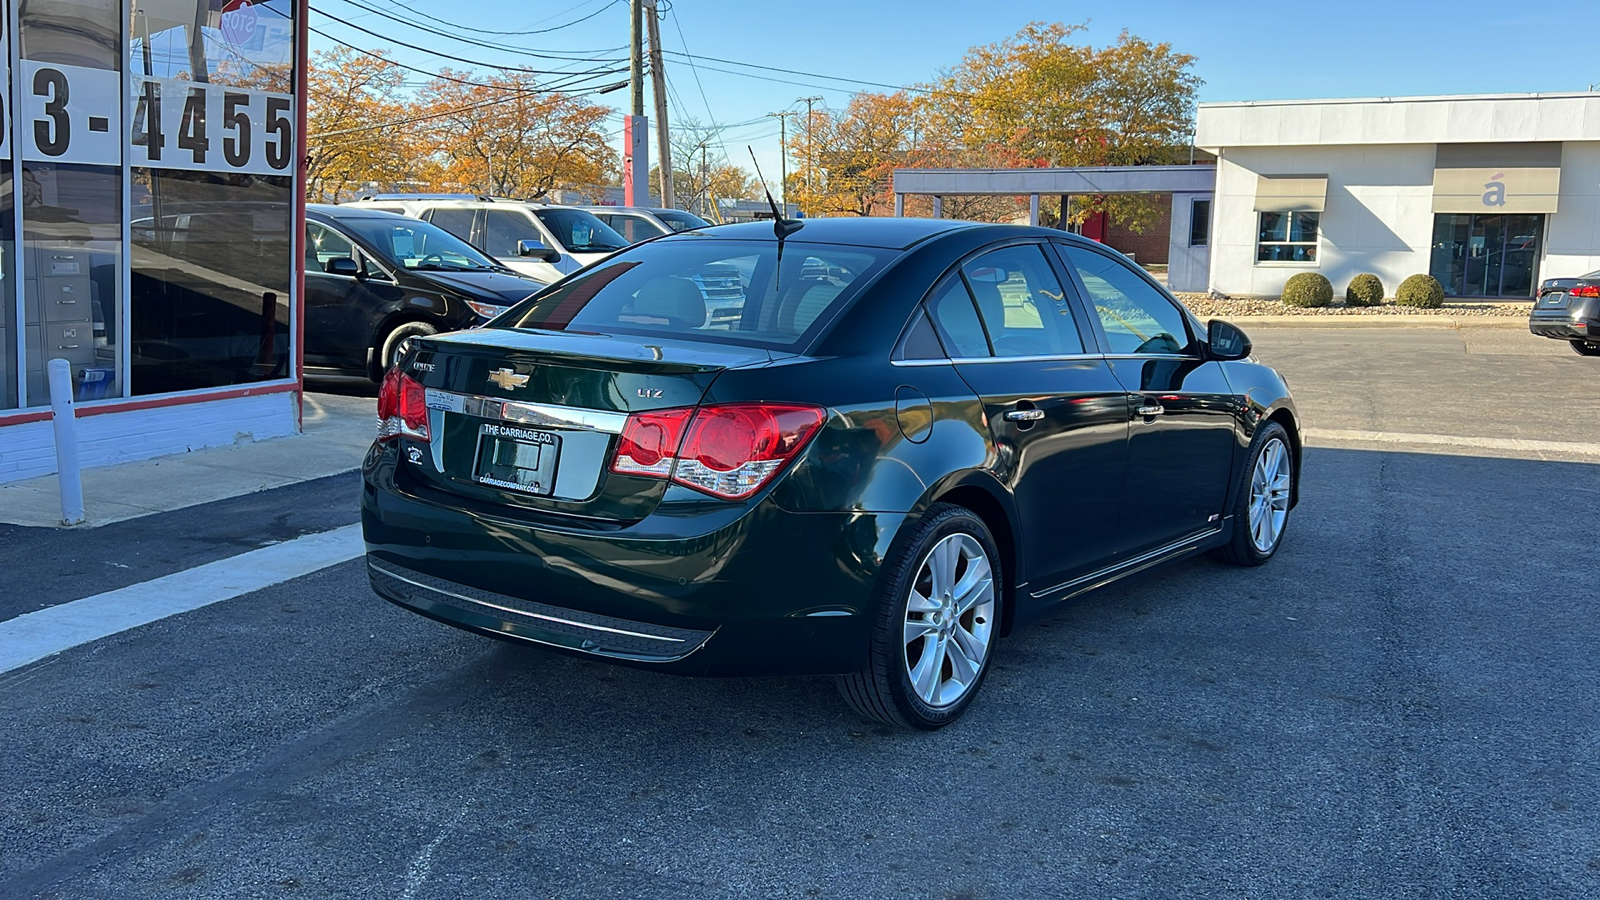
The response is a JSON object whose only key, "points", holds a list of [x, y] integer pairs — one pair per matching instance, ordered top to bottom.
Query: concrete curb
{"points": [[1380, 321]]}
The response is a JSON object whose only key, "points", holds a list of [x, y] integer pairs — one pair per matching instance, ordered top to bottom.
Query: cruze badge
{"points": [[507, 379]]}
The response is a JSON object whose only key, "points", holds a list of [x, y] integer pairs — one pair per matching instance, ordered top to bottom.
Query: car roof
{"points": [[346, 212], [896, 233]]}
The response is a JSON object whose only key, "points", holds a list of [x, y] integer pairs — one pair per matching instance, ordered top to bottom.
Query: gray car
{"points": [[640, 223], [1568, 309]]}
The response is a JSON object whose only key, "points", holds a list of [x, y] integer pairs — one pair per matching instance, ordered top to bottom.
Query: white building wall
{"points": [[1378, 218], [1572, 233], [29, 450]]}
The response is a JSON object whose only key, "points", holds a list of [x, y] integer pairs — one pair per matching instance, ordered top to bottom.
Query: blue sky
{"points": [[1245, 51]]}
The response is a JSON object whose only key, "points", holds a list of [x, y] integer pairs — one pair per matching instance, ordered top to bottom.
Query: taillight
{"points": [[1585, 290], [402, 408], [650, 442], [728, 450]]}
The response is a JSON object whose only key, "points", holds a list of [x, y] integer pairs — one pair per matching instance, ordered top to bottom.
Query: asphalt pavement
{"points": [[1404, 703]]}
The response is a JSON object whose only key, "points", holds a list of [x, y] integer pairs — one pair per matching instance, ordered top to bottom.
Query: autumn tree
{"points": [[352, 99], [504, 135], [847, 158], [702, 174]]}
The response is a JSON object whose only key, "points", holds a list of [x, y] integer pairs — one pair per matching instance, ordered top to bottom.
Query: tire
{"points": [[1585, 348], [389, 353], [1265, 499], [902, 684]]}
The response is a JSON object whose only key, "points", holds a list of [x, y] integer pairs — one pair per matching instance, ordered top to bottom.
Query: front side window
{"points": [[503, 228], [633, 228], [580, 231], [1287, 237], [324, 244], [661, 289], [1024, 308], [1136, 317]]}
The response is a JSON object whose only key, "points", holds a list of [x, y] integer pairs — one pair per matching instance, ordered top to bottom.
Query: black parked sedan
{"points": [[374, 279], [1568, 309], [917, 436]]}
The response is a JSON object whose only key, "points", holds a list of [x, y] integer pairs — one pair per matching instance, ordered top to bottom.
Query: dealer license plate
{"points": [[517, 459]]}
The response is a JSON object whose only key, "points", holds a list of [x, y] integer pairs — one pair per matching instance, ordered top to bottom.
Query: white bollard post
{"points": [[68, 473]]}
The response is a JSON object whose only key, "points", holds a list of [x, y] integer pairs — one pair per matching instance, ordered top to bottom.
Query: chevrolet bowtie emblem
{"points": [[507, 379]]}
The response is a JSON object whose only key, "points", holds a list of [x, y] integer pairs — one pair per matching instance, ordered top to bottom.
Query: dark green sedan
{"points": [[914, 437]]}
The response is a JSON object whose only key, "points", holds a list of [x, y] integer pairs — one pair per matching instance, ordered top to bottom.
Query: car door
{"points": [[503, 230], [341, 310], [1056, 413], [1182, 413]]}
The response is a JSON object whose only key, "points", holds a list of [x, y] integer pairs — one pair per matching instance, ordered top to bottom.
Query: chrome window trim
{"points": [[525, 413]]}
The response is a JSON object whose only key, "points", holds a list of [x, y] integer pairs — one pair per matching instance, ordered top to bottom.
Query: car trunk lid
{"points": [[527, 422]]}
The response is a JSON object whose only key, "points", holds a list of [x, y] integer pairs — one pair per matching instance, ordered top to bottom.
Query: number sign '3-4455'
{"points": [[210, 127]]}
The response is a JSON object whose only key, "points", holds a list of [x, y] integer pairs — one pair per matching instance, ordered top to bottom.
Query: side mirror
{"points": [[537, 250], [342, 265], [1227, 341]]}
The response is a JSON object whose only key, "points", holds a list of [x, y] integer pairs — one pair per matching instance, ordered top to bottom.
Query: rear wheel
{"points": [[1585, 348], [389, 353], [1261, 508], [938, 617]]}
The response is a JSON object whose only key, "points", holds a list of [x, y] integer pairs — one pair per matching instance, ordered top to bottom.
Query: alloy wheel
{"points": [[1269, 495], [949, 620]]}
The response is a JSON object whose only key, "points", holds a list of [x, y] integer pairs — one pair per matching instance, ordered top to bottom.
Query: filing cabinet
{"points": [[66, 299]]}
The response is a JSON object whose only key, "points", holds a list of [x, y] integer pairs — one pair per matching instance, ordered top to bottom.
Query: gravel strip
{"points": [[1206, 306]]}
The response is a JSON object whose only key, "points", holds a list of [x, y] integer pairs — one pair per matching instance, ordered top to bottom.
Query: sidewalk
{"points": [[337, 432]]}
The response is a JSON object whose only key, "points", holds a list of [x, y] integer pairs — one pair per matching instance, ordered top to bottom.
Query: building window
{"points": [[1199, 223], [1288, 237]]}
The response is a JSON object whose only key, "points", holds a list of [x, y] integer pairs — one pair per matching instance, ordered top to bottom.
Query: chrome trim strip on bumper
{"points": [[541, 415]]}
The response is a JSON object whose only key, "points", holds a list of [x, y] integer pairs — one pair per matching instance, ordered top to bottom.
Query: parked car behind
{"points": [[639, 223], [542, 242], [374, 279], [1568, 309], [875, 472]]}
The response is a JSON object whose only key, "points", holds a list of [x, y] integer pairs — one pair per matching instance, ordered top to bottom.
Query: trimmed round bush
{"points": [[1307, 289], [1365, 289], [1423, 291]]}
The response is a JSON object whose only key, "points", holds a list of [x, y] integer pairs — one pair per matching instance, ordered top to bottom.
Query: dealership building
{"points": [[1489, 194], [150, 214]]}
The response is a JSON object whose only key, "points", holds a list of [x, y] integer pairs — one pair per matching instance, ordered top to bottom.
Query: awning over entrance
{"points": [[1497, 178], [1291, 193]]}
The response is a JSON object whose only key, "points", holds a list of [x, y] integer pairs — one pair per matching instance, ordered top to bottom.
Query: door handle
{"points": [[1151, 409], [1024, 415]]}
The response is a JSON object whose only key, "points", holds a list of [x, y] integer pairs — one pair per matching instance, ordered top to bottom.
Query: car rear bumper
{"points": [[1565, 328], [766, 592]]}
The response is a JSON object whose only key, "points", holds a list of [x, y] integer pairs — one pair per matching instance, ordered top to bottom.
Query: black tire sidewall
{"points": [[396, 335], [888, 643]]}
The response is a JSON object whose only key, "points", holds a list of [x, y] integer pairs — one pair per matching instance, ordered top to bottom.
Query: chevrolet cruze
{"points": [[915, 437]]}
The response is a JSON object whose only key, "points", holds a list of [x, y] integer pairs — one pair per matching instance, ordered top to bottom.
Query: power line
{"points": [[515, 33], [530, 51], [460, 59], [458, 80], [433, 115]]}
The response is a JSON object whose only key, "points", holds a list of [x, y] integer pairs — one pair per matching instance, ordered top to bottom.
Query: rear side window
{"points": [[666, 288], [1024, 308]]}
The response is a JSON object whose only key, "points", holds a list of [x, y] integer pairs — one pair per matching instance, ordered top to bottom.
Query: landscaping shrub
{"points": [[1307, 289], [1365, 290], [1420, 290]]}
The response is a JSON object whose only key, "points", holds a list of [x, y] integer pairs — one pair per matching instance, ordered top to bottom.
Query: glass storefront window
{"points": [[71, 193], [213, 193], [1288, 237], [1487, 256]]}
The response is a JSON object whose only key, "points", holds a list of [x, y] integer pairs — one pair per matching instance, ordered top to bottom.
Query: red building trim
{"points": [[302, 170], [101, 409]]}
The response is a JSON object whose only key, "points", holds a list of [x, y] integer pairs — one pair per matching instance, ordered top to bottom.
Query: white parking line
{"points": [[1580, 448], [34, 636]]}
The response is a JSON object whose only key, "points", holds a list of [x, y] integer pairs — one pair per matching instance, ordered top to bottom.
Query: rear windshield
{"points": [[731, 292]]}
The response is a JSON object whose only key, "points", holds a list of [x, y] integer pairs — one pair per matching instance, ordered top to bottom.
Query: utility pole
{"points": [[658, 88], [783, 144], [636, 145], [810, 159]]}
